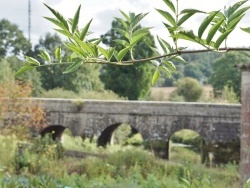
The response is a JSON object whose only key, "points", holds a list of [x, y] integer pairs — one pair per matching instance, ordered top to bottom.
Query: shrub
{"points": [[189, 88], [59, 93], [83, 94], [228, 95], [19, 114]]}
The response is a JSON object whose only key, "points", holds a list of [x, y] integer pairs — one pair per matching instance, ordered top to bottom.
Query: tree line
{"points": [[132, 82]]}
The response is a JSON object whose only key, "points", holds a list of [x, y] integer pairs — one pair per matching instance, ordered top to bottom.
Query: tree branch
{"points": [[130, 62]]}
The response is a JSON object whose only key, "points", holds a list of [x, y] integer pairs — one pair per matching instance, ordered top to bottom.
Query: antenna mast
{"points": [[29, 14]]}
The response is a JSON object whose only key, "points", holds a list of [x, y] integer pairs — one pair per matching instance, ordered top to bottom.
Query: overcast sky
{"points": [[103, 11]]}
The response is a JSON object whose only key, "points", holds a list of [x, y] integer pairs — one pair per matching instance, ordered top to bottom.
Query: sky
{"points": [[104, 11]]}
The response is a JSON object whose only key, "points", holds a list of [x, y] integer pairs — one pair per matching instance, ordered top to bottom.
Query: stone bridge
{"points": [[155, 121]]}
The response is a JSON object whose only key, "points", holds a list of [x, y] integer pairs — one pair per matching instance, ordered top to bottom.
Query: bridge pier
{"points": [[245, 123], [159, 147]]}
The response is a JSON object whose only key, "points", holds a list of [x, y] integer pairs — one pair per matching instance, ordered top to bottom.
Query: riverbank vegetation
{"points": [[42, 163]]}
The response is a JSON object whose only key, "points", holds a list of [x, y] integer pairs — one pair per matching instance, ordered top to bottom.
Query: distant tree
{"points": [[12, 40], [13, 47], [10, 65], [191, 70], [230, 75], [87, 77], [133, 81]]}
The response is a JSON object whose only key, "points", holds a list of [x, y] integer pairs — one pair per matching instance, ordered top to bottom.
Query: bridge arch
{"points": [[56, 131], [107, 134], [189, 139]]}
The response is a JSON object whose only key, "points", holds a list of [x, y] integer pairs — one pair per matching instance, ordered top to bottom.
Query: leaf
{"points": [[170, 4], [232, 9], [191, 11], [238, 14], [125, 15], [58, 16], [168, 16], [219, 16], [184, 18], [76, 19], [136, 19], [54, 21], [122, 22], [206, 22], [234, 22], [167, 25], [222, 27], [246, 29], [85, 30], [141, 30], [213, 30], [122, 32], [65, 33], [186, 35], [136, 38], [222, 38], [97, 41], [121, 42], [85, 46], [163, 47], [181, 48], [76, 49], [95, 50], [155, 51], [103, 52], [58, 53], [110, 53], [115, 54], [121, 54], [45, 55], [179, 58], [32, 61], [156, 63], [170, 64], [73, 67], [24, 68], [165, 69], [155, 76]]}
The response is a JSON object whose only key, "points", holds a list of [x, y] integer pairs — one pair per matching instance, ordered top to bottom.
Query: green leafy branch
{"points": [[218, 24], [130, 32], [212, 32]]}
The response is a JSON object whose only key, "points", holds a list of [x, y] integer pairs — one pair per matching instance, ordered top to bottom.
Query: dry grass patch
{"points": [[163, 93]]}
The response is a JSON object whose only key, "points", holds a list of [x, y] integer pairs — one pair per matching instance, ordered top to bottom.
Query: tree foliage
{"points": [[212, 35], [12, 40], [7, 74], [229, 76], [87, 77], [132, 82]]}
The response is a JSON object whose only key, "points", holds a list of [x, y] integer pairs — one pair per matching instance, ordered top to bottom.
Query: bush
{"points": [[189, 88], [59, 93], [83, 94], [228, 95], [18, 116]]}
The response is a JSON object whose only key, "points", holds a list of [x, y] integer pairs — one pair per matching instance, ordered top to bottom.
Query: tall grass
{"points": [[126, 167]]}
